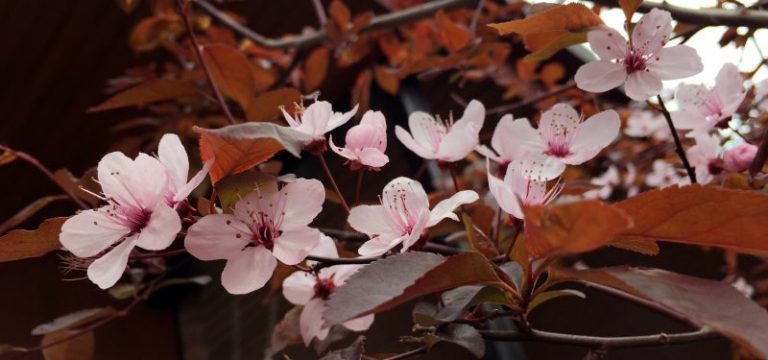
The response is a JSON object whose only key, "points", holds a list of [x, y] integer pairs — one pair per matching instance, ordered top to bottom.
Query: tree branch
{"points": [[710, 17], [318, 36], [678, 145], [762, 155], [600, 342]]}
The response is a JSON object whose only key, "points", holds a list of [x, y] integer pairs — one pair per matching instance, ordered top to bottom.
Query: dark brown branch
{"points": [[709, 17], [314, 38], [198, 53], [678, 145], [762, 155], [326, 261], [599, 342], [408, 354]]}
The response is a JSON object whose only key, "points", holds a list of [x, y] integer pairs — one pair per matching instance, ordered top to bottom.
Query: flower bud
{"points": [[739, 158]]}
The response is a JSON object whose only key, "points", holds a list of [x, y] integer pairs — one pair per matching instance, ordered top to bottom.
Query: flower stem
{"points": [[678, 145], [452, 170], [333, 182], [359, 185], [600, 342]]}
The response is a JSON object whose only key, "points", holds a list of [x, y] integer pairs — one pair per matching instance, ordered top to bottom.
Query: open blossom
{"points": [[641, 64], [703, 108], [316, 120], [647, 124], [562, 137], [443, 141], [366, 142], [503, 152], [173, 156], [704, 157], [739, 158], [663, 174], [610, 180], [521, 183], [139, 213], [403, 216], [267, 225], [312, 290]]}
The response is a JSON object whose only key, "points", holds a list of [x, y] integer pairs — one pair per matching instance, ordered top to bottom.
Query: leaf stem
{"points": [[183, 12], [678, 145], [333, 182], [359, 185], [600, 342]]}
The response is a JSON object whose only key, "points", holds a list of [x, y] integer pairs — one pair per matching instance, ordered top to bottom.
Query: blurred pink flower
{"points": [[641, 64], [703, 108], [316, 120], [647, 124], [562, 137], [443, 141], [366, 142], [502, 147], [173, 156], [704, 157], [739, 158], [663, 174], [612, 179], [521, 183], [138, 214], [403, 216], [267, 225], [312, 290]]}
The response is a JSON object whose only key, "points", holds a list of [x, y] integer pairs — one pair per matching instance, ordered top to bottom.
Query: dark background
{"points": [[55, 61]]}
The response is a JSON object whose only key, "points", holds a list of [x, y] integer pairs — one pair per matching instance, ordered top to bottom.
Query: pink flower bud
{"points": [[739, 158]]}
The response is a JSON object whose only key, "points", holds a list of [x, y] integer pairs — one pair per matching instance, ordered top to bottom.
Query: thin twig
{"points": [[320, 12], [476, 16], [710, 17], [313, 38], [198, 53], [678, 145], [762, 155], [47, 172], [333, 182], [344, 235], [159, 254], [326, 261], [600, 342], [407, 354]]}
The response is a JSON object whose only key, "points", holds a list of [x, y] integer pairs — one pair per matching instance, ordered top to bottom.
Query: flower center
{"points": [[633, 61], [558, 149], [264, 231], [324, 288]]}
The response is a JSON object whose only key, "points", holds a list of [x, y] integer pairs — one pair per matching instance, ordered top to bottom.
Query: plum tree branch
{"points": [[709, 17], [318, 36], [678, 145], [600, 342]]}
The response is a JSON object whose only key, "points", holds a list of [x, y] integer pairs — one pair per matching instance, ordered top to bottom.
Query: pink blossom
{"points": [[640, 64], [703, 108], [318, 119], [647, 124], [562, 137], [443, 141], [366, 142], [502, 147], [173, 156], [704, 157], [739, 158], [663, 174], [612, 179], [521, 183], [138, 214], [403, 216], [267, 225], [312, 290]]}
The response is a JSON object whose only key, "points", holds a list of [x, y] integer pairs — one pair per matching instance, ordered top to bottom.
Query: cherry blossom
{"points": [[640, 64], [703, 108], [316, 120], [647, 124], [562, 137], [446, 141], [366, 142], [503, 152], [173, 156], [704, 157], [739, 158], [663, 174], [612, 179], [522, 182], [138, 214], [403, 216], [267, 225], [312, 290]]}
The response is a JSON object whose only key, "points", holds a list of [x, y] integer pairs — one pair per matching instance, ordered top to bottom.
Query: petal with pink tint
{"points": [[652, 31], [607, 43], [676, 62], [600, 76], [641, 85], [691, 97], [473, 117], [338, 119], [686, 120], [426, 130], [593, 135], [521, 139], [409, 142], [458, 143], [343, 152], [487, 152], [172, 155], [373, 157], [113, 174], [148, 182], [187, 188], [504, 196], [263, 198], [304, 199], [444, 209], [370, 219], [161, 229], [418, 230], [90, 232], [217, 236], [379, 245], [292, 246], [326, 247], [108, 269], [248, 271], [298, 288], [311, 321], [360, 324]]}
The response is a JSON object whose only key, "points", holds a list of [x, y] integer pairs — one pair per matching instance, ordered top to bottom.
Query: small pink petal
{"points": [[652, 31], [607, 43], [676, 62], [600, 76], [641, 85], [409, 142], [173, 156], [373, 157], [304, 200], [444, 209], [370, 219], [161, 229], [90, 232], [216, 237], [379, 245], [293, 246], [108, 269], [248, 271], [298, 288], [311, 321], [360, 324]]}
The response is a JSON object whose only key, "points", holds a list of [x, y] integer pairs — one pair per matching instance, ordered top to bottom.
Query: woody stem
{"points": [[678, 145], [333, 182]]}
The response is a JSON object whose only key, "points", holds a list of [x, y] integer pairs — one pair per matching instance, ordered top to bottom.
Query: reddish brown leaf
{"points": [[629, 7], [340, 14], [152, 31], [454, 36], [315, 68], [231, 72], [551, 73], [386, 79], [150, 91], [361, 92], [266, 106], [237, 148], [78, 187], [28, 211], [698, 215], [572, 228], [479, 241], [23, 244], [643, 246], [78, 348]]}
